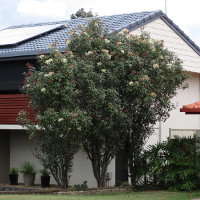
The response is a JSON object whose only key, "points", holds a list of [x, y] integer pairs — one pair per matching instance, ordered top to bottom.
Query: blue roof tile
{"points": [[40, 43]]}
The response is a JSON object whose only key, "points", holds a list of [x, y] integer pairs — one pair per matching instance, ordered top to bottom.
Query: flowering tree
{"points": [[143, 76], [107, 90], [60, 122]]}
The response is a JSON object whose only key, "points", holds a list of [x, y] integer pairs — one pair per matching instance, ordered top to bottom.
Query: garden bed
{"points": [[54, 189]]}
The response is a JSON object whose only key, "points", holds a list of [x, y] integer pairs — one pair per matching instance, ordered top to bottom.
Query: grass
{"points": [[156, 195]]}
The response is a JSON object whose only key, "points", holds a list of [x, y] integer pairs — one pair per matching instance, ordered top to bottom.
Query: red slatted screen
{"points": [[11, 105]]}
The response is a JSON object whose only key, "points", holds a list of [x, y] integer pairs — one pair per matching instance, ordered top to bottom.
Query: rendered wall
{"points": [[21, 150]]}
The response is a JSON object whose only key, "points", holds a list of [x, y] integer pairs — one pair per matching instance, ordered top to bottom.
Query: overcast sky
{"points": [[185, 13]]}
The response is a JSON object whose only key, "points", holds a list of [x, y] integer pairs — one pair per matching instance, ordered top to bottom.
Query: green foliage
{"points": [[82, 14], [141, 76], [105, 89], [61, 122], [174, 164], [27, 168], [13, 171], [45, 172], [125, 184], [84, 185]]}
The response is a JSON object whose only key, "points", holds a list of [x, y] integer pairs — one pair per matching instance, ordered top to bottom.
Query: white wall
{"points": [[159, 30], [180, 120], [21, 150]]}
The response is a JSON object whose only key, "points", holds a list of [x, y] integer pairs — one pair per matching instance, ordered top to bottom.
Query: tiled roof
{"points": [[40, 43]]}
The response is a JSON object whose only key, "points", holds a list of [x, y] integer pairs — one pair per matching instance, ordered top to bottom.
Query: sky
{"points": [[184, 13]]}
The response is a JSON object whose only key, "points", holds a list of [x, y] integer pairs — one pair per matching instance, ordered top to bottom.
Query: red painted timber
{"points": [[11, 105]]}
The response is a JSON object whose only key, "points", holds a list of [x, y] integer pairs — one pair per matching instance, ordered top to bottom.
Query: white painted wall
{"points": [[159, 30], [179, 120], [21, 150]]}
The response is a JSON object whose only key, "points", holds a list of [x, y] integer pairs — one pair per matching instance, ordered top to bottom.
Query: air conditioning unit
{"points": [[108, 175]]}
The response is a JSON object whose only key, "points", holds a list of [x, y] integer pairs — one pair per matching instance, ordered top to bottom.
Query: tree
{"points": [[82, 14], [145, 77], [107, 90], [60, 121], [104, 137]]}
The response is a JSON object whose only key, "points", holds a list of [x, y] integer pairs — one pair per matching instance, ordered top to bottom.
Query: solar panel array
{"points": [[15, 36]]}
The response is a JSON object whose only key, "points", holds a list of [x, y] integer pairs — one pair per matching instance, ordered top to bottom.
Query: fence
{"points": [[183, 132]]}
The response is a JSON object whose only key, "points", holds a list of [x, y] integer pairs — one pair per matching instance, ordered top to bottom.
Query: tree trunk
{"points": [[99, 174]]}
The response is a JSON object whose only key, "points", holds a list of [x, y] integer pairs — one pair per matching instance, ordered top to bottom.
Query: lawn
{"points": [[125, 196]]}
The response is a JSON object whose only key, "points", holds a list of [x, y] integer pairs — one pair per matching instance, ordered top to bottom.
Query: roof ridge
{"points": [[68, 20], [131, 21], [37, 24], [182, 34]]}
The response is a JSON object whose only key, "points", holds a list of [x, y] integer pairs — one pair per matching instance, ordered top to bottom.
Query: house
{"points": [[21, 44]]}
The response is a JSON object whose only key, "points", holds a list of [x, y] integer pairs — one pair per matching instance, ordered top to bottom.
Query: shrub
{"points": [[174, 164], [27, 168], [13, 171], [45, 172], [83, 185]]}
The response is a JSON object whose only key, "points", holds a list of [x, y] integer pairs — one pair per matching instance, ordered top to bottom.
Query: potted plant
{"points": [[28, 170], [13, 176], [45, 177]]}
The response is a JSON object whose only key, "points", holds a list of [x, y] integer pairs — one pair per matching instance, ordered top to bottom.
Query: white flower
{"points": [[124, 30], [85, 33], [121, 33], [68, 41], [107, 41], [104, 50], [122, 51], [88, 53], [41, 56], [108, 56], [161, 57], [64, 60], [49, 61], [99, 64], [168, 65], [155, 66], [103, 70], [51, 73], [145, 78], [131, 83], [28, 85], [43, 90], [154, 94], [60, 119], [79, 128], [61, 135]]}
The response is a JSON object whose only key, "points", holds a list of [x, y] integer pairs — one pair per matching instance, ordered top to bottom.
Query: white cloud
{"points": [[47, 8], [183, 12]]}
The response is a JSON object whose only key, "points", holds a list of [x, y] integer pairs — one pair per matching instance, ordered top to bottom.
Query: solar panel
{"points": [[16, 35]]}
